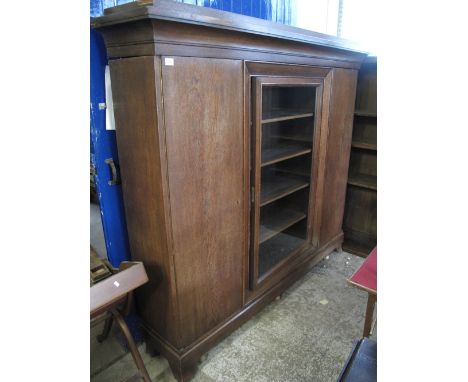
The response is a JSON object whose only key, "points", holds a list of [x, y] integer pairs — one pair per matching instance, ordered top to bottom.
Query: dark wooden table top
{"points": [[114, 289]]}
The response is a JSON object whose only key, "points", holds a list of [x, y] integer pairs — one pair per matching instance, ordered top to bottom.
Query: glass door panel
{"points": [[283, 132]]}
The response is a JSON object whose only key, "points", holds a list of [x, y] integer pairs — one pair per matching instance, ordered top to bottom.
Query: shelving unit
{"points": [[360, 219], [237, 234]]}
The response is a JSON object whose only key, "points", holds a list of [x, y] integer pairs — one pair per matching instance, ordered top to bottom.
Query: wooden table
{"points": [[366, 278], [113, 297]]}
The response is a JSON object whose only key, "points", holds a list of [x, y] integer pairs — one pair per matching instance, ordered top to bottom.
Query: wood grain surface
{"points": [[204, 138], [338, 151], [142, 165]]}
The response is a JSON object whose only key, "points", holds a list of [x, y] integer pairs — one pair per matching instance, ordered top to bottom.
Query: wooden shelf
{"points": [[365, 113], [285, 115], [295, 137], [364, 146], [282, 152], [295, 170], [364, 181], [279, 187], [277, 222], [356, 248], [276, 249]]}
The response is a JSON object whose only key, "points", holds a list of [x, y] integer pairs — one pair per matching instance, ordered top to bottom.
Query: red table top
{"points": [[366, 276]]}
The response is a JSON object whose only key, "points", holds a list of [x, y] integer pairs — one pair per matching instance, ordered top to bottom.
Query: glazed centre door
{"points": [[284, 111]]}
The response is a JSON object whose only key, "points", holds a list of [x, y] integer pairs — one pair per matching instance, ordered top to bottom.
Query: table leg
{"points": [[371, 299], [131, 344]]}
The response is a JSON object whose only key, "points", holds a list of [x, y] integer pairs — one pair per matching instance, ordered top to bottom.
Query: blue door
{"points": [[105, 160]]}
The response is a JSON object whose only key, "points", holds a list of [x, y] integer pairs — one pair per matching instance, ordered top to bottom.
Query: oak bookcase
{"points": [[234, 136]]}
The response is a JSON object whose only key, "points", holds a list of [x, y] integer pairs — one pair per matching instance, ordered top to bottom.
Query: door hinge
{"points": [[252, 194]]}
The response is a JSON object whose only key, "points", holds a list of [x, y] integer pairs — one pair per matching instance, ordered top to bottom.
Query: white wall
{"points": [[317, 15], [360, 23]]}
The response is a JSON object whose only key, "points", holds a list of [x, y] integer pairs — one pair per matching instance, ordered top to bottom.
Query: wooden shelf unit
{"points": [[200, 94], [360, 219]]}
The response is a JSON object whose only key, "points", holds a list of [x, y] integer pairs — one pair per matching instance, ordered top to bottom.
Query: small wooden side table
{"points": [[366, 278], [113, 297]]}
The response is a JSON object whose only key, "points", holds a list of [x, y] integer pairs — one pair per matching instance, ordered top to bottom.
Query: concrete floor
{"points": [[304, 336]]}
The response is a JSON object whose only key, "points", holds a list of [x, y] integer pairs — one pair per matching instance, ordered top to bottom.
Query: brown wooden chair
{"points": [[111, 299]]}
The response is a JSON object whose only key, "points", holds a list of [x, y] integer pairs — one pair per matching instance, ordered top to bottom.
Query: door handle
{"points": [[115, 172]]}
